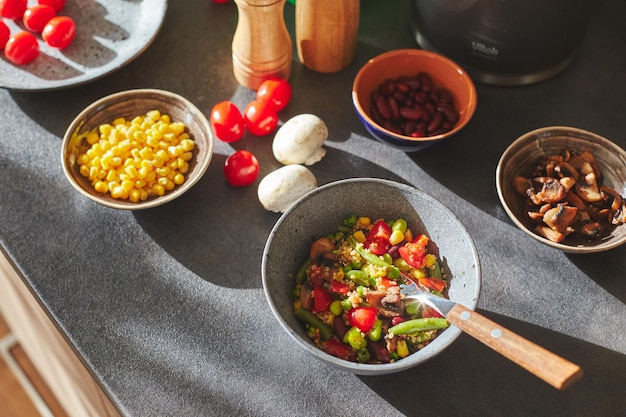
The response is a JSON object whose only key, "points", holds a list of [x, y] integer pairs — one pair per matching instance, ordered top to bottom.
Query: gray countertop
{"points": [[166, 306]]}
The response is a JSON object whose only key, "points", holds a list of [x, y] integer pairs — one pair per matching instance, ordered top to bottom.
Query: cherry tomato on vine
{"points": [[57, 5], [12, 9], [36, 17], [59, 32], [5, 34], [21, 48], [276, 91], [260, 118], [227, 121], [241, 168]]}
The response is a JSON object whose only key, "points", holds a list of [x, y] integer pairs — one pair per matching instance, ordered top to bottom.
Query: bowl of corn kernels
{"points": [[137, 149]]}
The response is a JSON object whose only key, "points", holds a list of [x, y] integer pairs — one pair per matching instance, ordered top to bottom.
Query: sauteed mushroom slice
{"points": [[587, 184], [552, 191], [560, 218], [550, 234], [320, 248]]}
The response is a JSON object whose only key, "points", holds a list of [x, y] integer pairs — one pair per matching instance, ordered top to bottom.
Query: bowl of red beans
{"points": [[412, 98], [137, 149], [336, 263]]}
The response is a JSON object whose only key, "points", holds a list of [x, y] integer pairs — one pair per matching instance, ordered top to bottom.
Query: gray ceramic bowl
{"points": [[129, 104], [520, 159], [322, 210]]}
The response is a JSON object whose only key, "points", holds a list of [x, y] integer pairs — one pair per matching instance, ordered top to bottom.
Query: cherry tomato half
{"points": [[57, 5], [12, 9], [36, 17], [59, 32], [5, 34], [22, 48], [276, 91], [260, 118], [227, 121], [241, 168]]}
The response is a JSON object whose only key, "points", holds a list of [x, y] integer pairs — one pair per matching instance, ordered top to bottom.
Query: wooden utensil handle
{"points": [[553, 369]]}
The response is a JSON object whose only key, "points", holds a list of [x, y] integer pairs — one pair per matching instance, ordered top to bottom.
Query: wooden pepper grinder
{"points": [[326, 33], [261, 44]]}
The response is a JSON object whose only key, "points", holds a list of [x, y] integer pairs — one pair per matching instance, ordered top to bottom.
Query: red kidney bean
{"points": [[414, 106]]}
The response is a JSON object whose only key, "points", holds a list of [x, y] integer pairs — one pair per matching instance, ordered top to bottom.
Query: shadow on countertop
{"points": [[485, 383]]}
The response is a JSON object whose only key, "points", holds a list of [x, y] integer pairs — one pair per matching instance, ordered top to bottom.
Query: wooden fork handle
{"points": [[553, 369]]}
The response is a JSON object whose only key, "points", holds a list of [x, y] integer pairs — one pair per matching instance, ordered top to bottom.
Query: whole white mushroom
{"points": [[300, 140], [281, 188]]}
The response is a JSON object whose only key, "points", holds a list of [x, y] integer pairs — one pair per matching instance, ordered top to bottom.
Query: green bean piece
{"points": [[400, 225], [370, 257], [435, 271], [301, 273], [358, 277], [335, 307], [312, 320], [419, 325], [376, 331], [355, 338]]}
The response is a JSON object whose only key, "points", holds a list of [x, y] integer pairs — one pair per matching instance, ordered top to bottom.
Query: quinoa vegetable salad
{"points": [[347, 293]]}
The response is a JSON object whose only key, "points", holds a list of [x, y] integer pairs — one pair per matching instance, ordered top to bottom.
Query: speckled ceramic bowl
{"points": [[408, 62], [129, 104], [520, 159], [322, 210]]}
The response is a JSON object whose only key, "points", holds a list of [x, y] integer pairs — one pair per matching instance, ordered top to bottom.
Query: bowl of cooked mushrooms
{"points": [[565, 187]]}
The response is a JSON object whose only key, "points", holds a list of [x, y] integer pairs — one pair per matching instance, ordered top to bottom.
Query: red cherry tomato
{"points": [[57, 5], [12, 9], [36, 17], [59, 32], [5, 34], [21, 48], [276, 91], [260, 118], [227, 121], [241, 168], [377, 240], [413, 252], [321, 299], [363, 318]]}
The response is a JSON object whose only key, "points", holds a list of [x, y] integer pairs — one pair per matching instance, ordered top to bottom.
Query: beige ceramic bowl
{"points": [[408, 62], [129, 104], [520, 159]]}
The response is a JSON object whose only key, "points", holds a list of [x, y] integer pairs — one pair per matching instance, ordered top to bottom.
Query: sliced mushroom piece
{"points": [[564, 170], [568, 182], [587, 187], [551, 191], [612, 197], [573, 200], [619, 216], [560, 218], [591, 229], [550, 234], [320, 247], [385, 309]]}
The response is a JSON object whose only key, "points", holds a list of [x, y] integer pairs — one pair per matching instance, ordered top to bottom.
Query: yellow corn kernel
{"points": [[155, 115], [119, 121], [177, 128], [105, 129], [92, 138], [152, 140], [187, 145], [175, 151], [187, 156], [82, 159], [105, 161], [157, 162], [184, 168], [84, 170], [131, 171], [163, 171], [93, 173], [111, 175], [151, 176], [179, 179], [139, 184], [128, 185], [169, 185], [101, 187], [158, 189], [117, 191], [134, 195], [363, 222], [408, 235], [359, 236], [396, 237], [429, 260], [418, 273], [402, 349]]}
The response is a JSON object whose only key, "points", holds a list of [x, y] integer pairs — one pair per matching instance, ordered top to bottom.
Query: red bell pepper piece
{"points": [[433, 283], [338, 287], [321, 299]]}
